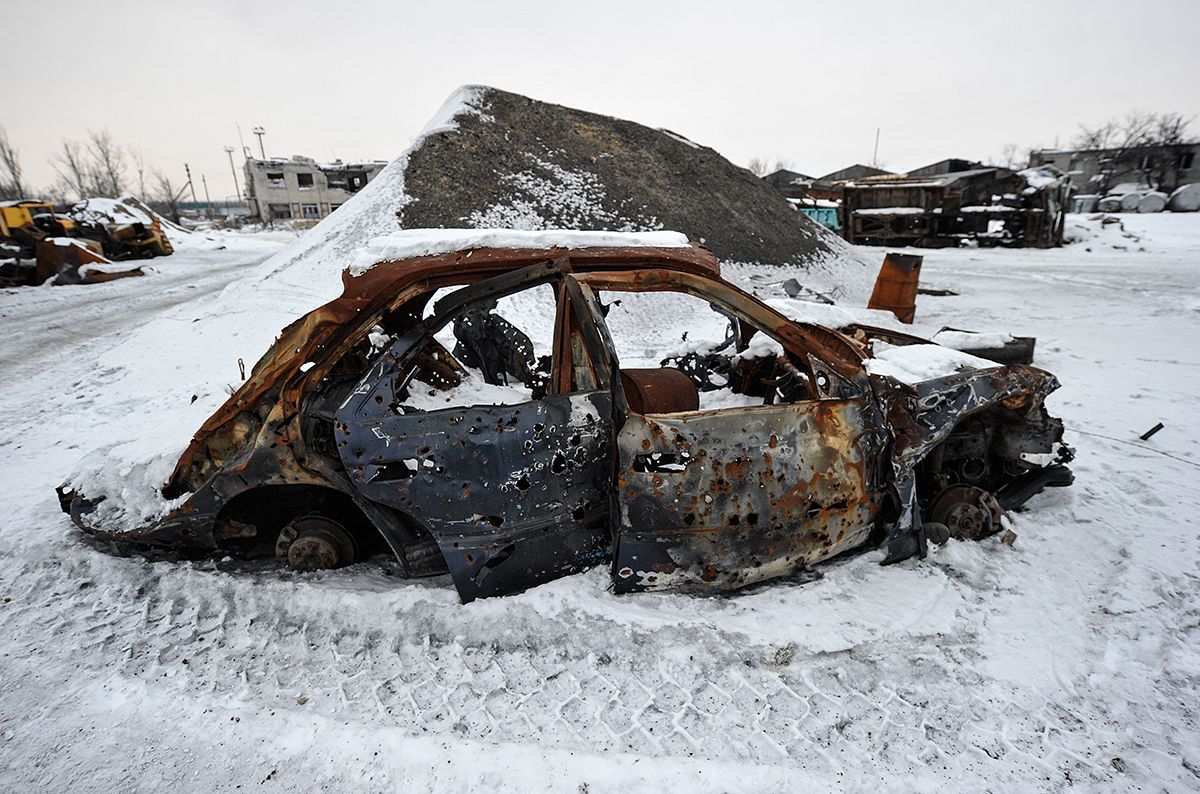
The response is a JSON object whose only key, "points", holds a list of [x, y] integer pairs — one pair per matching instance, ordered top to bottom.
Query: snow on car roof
{"points": [[411, 243], [915, 363]]}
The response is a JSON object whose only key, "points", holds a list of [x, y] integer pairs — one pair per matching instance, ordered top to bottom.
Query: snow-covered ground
{"points": [[1066, 661]]}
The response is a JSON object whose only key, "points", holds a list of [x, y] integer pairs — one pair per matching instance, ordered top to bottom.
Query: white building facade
{"points": [[300, 188]]}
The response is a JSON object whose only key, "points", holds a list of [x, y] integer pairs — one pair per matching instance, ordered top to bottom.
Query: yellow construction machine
{"points": [[67, 249]]}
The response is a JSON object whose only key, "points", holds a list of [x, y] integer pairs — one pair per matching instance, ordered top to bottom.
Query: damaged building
{"points": [[301, 188]]}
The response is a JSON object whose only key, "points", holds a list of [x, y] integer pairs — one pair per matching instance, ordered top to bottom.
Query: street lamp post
{"points": [[260, 132]]}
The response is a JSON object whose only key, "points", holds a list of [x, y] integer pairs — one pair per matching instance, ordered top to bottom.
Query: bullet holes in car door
{"points": [[473, 426]]}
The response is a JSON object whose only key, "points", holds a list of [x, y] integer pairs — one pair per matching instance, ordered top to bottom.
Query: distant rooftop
{"points": [[299, 159]]}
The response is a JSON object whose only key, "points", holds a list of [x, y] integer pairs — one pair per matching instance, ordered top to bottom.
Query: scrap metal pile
{"points": [[990, 206], [39, 245]]}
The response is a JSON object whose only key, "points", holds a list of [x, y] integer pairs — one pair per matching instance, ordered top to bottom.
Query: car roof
{"points": [[476, 264]]}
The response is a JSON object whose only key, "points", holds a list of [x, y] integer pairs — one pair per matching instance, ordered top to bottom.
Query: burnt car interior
{"points": [[715, 360]]}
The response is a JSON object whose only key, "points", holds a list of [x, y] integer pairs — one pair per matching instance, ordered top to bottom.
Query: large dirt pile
{"points": [[518, 163]]}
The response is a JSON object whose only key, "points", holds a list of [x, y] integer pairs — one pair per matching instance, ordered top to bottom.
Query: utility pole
{"points": [[260, 132], [875, 157], [232, 170], [191, 186], [207, 200]]}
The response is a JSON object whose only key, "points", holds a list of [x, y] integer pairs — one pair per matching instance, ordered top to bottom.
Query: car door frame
{"points": [[676, 472], [514, 495]]}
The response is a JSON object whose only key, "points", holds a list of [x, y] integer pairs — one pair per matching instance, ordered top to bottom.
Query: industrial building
{"points": [[301, 188]]}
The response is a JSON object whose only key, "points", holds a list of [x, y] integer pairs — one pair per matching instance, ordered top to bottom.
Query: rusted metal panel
{"points": [[67, 261], [896, 286], [664, 390], [515, 495], [721, 499]]}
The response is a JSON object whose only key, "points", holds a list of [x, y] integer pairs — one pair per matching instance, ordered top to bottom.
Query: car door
{"points": [[515, 494], [725, 497]]}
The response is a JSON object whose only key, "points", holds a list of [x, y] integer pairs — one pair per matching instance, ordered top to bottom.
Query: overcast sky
{"points": [[805, 82]]}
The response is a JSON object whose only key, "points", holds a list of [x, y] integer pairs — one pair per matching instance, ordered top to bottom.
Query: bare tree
{"points": [[1147, 145], [1009, 155], [107, 164], [71, 166], [761, 166], [139, 168], [11, 185], [59, 191], [166, 196]]}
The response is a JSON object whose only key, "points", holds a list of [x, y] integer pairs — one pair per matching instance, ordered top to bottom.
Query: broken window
{"points": [[1185, 161], [276, 180], [304, 181], [333, 207], [279, 211], [310, 211], [495, 352], [730, 363]]}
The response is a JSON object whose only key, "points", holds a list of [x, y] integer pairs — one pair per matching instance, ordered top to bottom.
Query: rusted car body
{"points": [[324, 449]]}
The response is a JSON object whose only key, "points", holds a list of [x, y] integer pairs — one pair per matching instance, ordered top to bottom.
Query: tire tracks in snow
{"points": [[569, 680]]}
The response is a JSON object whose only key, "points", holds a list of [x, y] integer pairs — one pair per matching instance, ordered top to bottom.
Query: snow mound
{"points": [[519, 163], [1185, 198], [109, 210], [834, 315]]}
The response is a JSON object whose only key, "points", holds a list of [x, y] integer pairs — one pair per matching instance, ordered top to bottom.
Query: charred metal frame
{"points": [[509, 496]]}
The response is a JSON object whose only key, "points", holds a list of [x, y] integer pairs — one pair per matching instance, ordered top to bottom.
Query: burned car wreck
{"points": [[422, 413]]}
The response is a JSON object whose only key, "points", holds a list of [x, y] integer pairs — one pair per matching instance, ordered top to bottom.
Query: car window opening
{"points": [[729, 362]]}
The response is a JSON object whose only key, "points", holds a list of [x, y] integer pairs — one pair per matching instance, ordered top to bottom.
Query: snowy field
{"points": [[1068, 661]]}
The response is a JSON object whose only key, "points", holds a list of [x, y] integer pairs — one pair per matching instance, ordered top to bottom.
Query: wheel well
{"points": [[251, 521]]}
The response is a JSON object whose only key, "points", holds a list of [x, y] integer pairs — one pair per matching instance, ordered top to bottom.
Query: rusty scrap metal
{"points": [[73, 261], [896, 286], [659, 391]]}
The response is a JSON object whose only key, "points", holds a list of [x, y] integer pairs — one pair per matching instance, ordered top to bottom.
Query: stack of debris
{"points": [[935, 207], [38, 245]]}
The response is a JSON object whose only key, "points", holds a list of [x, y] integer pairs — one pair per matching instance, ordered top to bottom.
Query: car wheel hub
{"points": [[969, 513], [314, 543], [311, 554]]}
